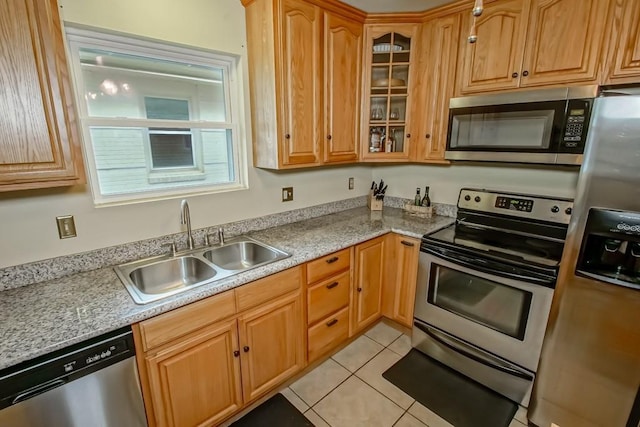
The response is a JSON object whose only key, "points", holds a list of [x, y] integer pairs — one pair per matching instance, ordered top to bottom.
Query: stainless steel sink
{"points": [[243, 255], [155, 278]]}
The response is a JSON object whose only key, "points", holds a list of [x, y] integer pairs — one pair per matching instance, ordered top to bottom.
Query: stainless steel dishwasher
{"points": [[94, 383]]}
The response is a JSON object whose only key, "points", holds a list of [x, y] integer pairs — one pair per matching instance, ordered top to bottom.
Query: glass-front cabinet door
{"points": [[389, 56]]}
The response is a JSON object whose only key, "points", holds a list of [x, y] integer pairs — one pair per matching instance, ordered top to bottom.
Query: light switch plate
{"points": [[351, 183], [287, 194], [66, 226]]}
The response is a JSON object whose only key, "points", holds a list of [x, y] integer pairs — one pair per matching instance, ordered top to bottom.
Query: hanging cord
{"points": [[477, 11]]}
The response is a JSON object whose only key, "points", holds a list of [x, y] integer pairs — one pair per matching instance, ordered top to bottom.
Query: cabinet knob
{"points": [[525, 73], [514, 75], [408, 135], [287, 136], [428, 136], [329, 137], [332, 285], [359, 289], [246, 348], [236, 353]]}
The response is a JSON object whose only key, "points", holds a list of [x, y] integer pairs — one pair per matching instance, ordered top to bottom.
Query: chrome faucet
{"points": [[185, 218]]}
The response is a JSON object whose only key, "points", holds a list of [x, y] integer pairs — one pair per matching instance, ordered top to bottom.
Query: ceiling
{"points": [[381, 6]]}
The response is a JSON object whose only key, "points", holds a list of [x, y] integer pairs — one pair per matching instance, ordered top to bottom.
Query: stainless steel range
{"points": [[485, 286]]}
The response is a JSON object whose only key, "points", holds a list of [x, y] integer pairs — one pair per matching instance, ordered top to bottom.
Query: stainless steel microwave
{"points": [[547, 126]]}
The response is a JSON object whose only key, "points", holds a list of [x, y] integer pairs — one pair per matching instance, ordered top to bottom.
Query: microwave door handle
{"points": [[463, 261], [472, 353]]}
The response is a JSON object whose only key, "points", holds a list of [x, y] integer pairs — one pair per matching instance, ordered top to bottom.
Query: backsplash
{"points": [[54, 268]]}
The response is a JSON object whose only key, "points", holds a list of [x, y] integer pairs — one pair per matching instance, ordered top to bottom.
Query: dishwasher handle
{"points": [[42, 388]]}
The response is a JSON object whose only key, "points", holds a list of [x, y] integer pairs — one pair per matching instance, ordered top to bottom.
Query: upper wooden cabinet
{"points": [[524, 43], [391, 53], [623, 59], [304, 66], [437, 66], [39, 145]]}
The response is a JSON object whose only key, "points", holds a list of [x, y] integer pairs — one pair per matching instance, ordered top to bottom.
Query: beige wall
{"points": [[27, 219]]}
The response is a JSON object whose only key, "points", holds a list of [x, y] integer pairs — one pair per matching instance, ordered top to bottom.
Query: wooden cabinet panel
{"points": [[564, 41], [623, 60], [494, 61], [343, 70], [301, 83], [436, 84], [39, 145], [328, 265], [404, 282], [268, 288], [328, 296], [366, 302], [182, 321], [328, 333], [272, 345], [197, 381]]}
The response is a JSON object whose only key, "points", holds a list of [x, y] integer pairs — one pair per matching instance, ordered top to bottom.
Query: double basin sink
{"points": [[151, 279]]}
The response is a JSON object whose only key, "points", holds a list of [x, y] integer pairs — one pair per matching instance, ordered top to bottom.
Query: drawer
{"points": [[328, 265], [267, 289], [328, 296], [168, 326], [328, 334]]}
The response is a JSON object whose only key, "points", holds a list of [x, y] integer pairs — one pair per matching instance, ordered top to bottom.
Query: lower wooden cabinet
{"points": [[401, 270], [366, 299]]}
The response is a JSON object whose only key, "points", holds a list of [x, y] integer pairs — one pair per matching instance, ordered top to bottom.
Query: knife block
{"points": [[373, 203]]}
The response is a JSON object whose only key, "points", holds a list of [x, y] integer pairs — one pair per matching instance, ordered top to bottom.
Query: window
{"points": [[157, 120]]}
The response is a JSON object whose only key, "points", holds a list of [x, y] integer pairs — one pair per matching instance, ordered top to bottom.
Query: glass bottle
{"points": [[417, 200], [426, 201]]}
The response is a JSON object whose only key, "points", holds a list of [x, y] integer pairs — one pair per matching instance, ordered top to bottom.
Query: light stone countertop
{"points": [[44, 317]]}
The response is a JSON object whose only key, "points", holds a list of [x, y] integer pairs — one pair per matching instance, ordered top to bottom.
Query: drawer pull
{"points": [[404, 242], [332, 260], [332, 285], [332, 322], [246, 348]]}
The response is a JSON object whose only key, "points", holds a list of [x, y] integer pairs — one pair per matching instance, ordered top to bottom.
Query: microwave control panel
{"points": [[575, 128]]}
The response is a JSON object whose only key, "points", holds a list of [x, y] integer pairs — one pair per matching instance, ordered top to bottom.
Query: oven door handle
{"points": [[497, 271], [472, 353]]}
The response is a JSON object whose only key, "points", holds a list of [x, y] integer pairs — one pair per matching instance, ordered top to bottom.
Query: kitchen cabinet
{"points": [[525, 43], [623, 59], [390, 60], [437, 66], [304, 68], [39, 143], [401, 273], [329, 288], [366, 297], [201, 363]]}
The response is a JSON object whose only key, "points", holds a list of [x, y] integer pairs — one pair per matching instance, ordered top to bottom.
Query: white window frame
{"points": [[83, 38]]}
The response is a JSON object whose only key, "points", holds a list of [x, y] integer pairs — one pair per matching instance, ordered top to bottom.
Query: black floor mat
{"points": [[454, 397], [277, 411]]}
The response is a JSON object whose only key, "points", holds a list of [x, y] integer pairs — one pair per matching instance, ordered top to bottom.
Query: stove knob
{"points": [[467, 197], [477, 199], [555, 209], [568, 211]]}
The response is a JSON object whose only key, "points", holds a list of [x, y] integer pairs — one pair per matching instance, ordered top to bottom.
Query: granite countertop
{"points": [[44, 317]]}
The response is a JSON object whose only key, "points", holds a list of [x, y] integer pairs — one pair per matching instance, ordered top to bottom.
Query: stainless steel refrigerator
{"points": [[589, 372]]}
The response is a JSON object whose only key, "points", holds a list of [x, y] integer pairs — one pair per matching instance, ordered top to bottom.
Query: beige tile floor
{"points": [[348, 389]]}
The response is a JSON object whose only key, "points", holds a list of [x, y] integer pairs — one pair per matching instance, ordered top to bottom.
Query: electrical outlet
{"points": [[351, 183], [287, 194], [66, 226]]}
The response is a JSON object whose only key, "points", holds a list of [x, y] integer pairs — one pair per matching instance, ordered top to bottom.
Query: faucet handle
{"points": [[221, 236], [207, 239], [172, 246]]}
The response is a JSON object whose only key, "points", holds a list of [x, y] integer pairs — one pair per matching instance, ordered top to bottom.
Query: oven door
{"points": [[506, 316]]}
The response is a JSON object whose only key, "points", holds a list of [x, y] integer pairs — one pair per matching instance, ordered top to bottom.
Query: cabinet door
{"points": [[564, 41], [301, 61], [494, 61], [438, 63], [623, 65], [342, 72], [39, 145], [407, 251], [366, 304], [272, 341], [196, 381]]}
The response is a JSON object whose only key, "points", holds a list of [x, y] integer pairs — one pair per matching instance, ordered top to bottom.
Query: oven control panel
{"points": [[520, 205]]}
